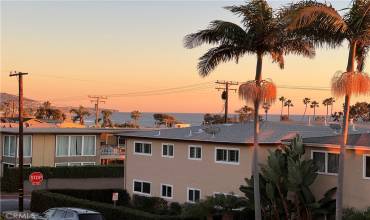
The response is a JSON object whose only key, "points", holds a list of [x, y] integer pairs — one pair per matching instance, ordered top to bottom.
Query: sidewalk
{"points": [[5, 195]]}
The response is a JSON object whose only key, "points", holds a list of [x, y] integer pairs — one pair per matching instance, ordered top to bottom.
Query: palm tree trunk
{"points": [[281, 111], [288, 112], [304, 113], [314, 113], [266, 116], [255, 170], [339, 201]]}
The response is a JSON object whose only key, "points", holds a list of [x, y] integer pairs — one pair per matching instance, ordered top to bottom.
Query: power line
{"points": [[225, 93], [97, 100]]}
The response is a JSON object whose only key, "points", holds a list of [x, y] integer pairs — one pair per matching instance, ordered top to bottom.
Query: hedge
{"points": [[9, 181], [42, 200]]}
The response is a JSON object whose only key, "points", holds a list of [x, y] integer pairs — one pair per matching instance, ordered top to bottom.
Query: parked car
{"points": [[67, 213]]}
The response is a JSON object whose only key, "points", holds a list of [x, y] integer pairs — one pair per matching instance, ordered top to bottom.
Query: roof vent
{"points": [[213, 130], [199, 131], [159, 133], [190, 133]]}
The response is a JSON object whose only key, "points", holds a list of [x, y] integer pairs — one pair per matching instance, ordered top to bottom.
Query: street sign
{"points": [[36, 178], [115, 196]]}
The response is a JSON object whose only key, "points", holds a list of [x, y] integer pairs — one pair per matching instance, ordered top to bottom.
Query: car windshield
{"points": [[90, 216]]}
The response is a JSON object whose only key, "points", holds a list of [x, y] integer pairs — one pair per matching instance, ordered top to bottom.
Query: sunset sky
{"points": [[75, 49]]}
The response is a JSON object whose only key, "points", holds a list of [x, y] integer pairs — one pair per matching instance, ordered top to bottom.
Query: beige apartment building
{"points": [[62, 146], [188, 164]]}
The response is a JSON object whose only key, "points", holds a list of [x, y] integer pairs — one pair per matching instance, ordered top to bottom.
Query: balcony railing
{"points": [[112, 151]]}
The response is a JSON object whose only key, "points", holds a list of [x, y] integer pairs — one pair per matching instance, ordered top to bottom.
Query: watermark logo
{"points": [[17, 215]]}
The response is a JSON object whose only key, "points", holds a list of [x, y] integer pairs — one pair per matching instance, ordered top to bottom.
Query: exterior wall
{"points": [[43, 150], [180, 172], [356, 187]]}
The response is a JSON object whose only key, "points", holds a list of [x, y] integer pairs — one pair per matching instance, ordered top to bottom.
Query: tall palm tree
{"points": [[323, 24], [262, 34], [282, 99], [306, 101], [331, 102], [288, 103], [326, 103], [314, 105], [266, 106], [79, 114], [135, 116], [107, 118]]}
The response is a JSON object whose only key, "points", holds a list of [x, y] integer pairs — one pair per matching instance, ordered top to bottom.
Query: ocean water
{"points": [[194, 119]]}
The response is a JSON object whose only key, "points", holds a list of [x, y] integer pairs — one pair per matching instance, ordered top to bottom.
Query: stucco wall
{"points": [[43, 150], [205, 174]]}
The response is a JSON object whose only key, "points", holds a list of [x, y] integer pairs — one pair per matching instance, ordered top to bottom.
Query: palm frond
{"points": [[358, 19], [218, 32], [361, 54], [215, 56], [350, 83], [263, 91]]}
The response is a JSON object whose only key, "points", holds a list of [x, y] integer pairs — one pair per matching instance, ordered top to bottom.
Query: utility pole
{"points": [[225, 94], [97, 100], [20, 148]]}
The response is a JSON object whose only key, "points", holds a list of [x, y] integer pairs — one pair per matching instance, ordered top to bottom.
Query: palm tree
{"points": [[321, 23], [262, 34], [282, 99], [306, 101], [331, 102], [288, 103], [326, 103], [314, 105], [266, 106], [79, 114], [135, 116], [107, 121]]}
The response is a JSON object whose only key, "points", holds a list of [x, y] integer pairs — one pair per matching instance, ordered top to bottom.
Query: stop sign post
{"points": [[36, 178]]}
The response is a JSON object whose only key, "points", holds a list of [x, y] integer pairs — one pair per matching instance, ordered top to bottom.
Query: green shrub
{"points": [[9, 181], [98, 195], [42, 200], [154, 205], [175, 208], [353, 214]]}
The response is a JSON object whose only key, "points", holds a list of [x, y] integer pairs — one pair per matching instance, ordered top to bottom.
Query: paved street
{"points": [[10, 202]]}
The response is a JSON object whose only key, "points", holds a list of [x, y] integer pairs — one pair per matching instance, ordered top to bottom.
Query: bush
{"points": [[9, 181], [97, 195], [42, 200], [154, 205], [352, 214]]}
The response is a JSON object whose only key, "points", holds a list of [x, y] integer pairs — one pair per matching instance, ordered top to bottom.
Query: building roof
{"points": [[67, 130], [242, 133], [353, 140]]}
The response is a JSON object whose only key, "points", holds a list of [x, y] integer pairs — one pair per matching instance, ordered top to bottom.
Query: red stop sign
{"points": [[36, 178]]}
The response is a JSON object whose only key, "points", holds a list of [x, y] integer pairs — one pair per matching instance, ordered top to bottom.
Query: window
{"points": [[121, 142], [9, 146], [27, 146], [67, 146], [143, 148], [167, 150], [195, 152], [226, 155], [326, 162], [61, 164], [8, 165], [367, 166], [141, 187], [166, 191], [193, 195]]}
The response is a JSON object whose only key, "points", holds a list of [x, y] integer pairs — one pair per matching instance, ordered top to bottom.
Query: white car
{"points": [[67, 213]]}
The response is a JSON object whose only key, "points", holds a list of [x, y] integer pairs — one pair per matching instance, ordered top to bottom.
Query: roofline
{"points": [[194, 140], [337, 146]]}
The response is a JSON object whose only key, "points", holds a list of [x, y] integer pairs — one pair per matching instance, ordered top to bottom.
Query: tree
{"points": [[321, 23], [262, 34], [282, 99], [306, 101], [331, 102], [288, 103], [326, 103], [314, 105], [266, 106], [46, 111], [360, 111], [245, 113], [79, 114], [135, 116], [164, 119], [209, 119], [107, 121], [285, 186]]}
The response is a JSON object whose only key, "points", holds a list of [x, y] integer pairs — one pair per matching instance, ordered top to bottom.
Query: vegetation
{"points": [[321, 23], [282, 99], [306, 101], [328, 102], [288, 103], [314, 105], [266, 106], [45, 111], [360, 112], [245, 113], [79, 114], [135, 116], [164, 119], [213, 119], [107, 121], [9, 181], [285, 186], [352, 214]]}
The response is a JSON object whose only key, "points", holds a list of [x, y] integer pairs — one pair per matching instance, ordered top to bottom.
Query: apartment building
{"points": [[188, 164]]}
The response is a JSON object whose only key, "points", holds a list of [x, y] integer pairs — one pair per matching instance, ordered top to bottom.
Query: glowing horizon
{"points": [[76, 49]]}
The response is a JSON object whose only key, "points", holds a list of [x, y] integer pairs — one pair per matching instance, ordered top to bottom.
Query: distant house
{"points": [[62, 146], [188, 164]]}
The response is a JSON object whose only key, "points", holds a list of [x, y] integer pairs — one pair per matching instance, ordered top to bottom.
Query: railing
{"points": [[112, 151]]}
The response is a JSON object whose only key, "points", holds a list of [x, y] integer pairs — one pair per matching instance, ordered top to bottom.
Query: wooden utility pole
{"points": [[226, 88], [97, 100], [20, 148]]}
